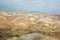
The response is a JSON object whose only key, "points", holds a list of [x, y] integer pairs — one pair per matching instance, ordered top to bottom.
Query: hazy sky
{"points": [[47, 6]]}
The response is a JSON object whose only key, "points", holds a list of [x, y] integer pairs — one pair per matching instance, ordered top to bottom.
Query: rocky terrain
{"points": [[29, 26]]}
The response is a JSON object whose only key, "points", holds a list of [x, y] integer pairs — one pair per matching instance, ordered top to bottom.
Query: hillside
{"points": [[14, 25]]}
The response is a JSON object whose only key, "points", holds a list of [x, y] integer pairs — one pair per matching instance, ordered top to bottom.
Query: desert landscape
{"points": [[29, 26]]}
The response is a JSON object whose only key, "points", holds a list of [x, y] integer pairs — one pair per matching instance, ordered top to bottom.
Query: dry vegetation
{"points": [[13, 25]]}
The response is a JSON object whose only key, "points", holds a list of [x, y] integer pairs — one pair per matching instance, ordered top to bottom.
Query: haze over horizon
{"points": [[47, 6]]}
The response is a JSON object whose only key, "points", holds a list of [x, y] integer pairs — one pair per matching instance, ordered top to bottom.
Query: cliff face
{"points": [[19, 23]]}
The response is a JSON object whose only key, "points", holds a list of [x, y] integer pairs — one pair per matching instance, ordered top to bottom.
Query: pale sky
{"points": [[47, 6]]}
